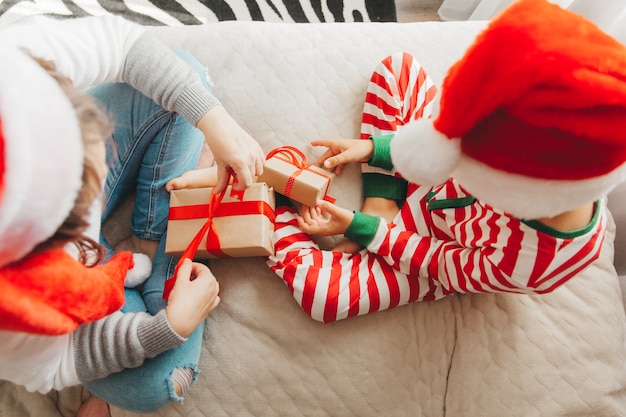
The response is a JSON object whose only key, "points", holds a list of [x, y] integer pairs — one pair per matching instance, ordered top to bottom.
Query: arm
{"points": [[109, 49], [382, 193], [488, 253], [505, 256], [121, 340]]}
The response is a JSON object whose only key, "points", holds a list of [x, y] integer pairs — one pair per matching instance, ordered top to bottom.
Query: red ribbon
{"points": [[297, 158], [233, 208], [212, 240], [192, 248]]}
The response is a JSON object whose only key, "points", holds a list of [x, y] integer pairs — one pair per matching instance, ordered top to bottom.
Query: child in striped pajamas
{"points": [[533, 132], [418, 243]]}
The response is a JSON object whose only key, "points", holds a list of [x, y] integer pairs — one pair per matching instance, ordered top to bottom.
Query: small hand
{"points": [[233, 148], [343, 151], [197, 178], [375, 206], [325, 219], [194, 296]]}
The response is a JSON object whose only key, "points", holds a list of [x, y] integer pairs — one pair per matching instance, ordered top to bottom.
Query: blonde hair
{"points": [[96, 128]]}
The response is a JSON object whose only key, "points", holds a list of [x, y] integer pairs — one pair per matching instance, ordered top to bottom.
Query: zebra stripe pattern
{"points": [[196, 12]]}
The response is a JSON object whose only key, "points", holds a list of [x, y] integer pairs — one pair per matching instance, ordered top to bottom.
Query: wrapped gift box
{"points": [[288, 173], [240, 227]]}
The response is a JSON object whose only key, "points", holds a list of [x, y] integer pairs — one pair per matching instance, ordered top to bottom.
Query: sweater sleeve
{"points": [[88, 50], [93, 50], [157, 72], [120, 340]]}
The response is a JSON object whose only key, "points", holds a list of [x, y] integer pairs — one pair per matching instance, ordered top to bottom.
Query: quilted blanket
{"points": [[560, 354]]}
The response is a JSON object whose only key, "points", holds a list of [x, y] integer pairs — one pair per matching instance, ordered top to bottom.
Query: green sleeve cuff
{"points": [[381, 157], [386, 186], [363, 228]]}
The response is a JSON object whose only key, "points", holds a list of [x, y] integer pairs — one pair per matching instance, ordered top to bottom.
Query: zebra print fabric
{"points": [[196, 12]]}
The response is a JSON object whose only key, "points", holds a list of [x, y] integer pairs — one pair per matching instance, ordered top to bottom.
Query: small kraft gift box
{"points": [[288, 172], [233, 224]]}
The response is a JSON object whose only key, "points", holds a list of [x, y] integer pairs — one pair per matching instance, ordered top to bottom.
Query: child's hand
{"points": [[343, 151], [197, 178], [325, 219], [194, 296]]}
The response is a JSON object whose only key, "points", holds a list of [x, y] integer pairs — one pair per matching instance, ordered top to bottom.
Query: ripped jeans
{"points": [[151, 147]]}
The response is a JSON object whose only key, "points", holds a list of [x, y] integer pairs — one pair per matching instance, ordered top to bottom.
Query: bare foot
{"points": [[197, 178], [379, 206], [347, 246], [94, 407]]}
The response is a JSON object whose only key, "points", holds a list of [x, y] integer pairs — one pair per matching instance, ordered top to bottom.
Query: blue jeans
{"points": [[151, 147]]}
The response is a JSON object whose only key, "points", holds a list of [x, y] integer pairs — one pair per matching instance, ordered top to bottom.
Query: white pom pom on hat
{"points": [[532, 118], [41, 155], [424, 155]]}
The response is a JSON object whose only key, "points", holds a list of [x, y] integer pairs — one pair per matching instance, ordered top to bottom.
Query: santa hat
{"points": [[532, 119], [41, 155], [41, 163]]}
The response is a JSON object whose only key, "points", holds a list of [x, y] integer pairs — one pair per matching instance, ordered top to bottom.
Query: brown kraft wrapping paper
{"points": [[305, 184], [243, 228]]}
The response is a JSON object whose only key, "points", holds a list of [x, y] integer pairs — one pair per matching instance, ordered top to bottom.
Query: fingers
{"points": [[329, 143], [336, 156], [322, 159], [337, 161], [244, 171], [223, 175], [245, 177], [324, 206], [184, 270], [199, 270], [200, 274]]}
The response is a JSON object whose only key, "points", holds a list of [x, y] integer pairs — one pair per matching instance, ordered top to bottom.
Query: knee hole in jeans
{"points": [[182, 379]]}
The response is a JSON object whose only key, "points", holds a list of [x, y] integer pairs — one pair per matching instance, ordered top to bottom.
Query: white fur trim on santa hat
{"points": [[43, 151], [424, 155], [530, 197]]}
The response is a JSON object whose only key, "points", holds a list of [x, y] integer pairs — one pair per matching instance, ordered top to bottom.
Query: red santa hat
{"points": [[532, 118], [41, 153], [41, 163]]}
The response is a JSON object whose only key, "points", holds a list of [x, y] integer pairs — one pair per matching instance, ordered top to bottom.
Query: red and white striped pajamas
{"points": [[442, 241]]}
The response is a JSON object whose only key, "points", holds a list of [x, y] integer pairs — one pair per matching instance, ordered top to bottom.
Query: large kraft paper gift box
{"points": [[287, 171], [240, 227]]}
